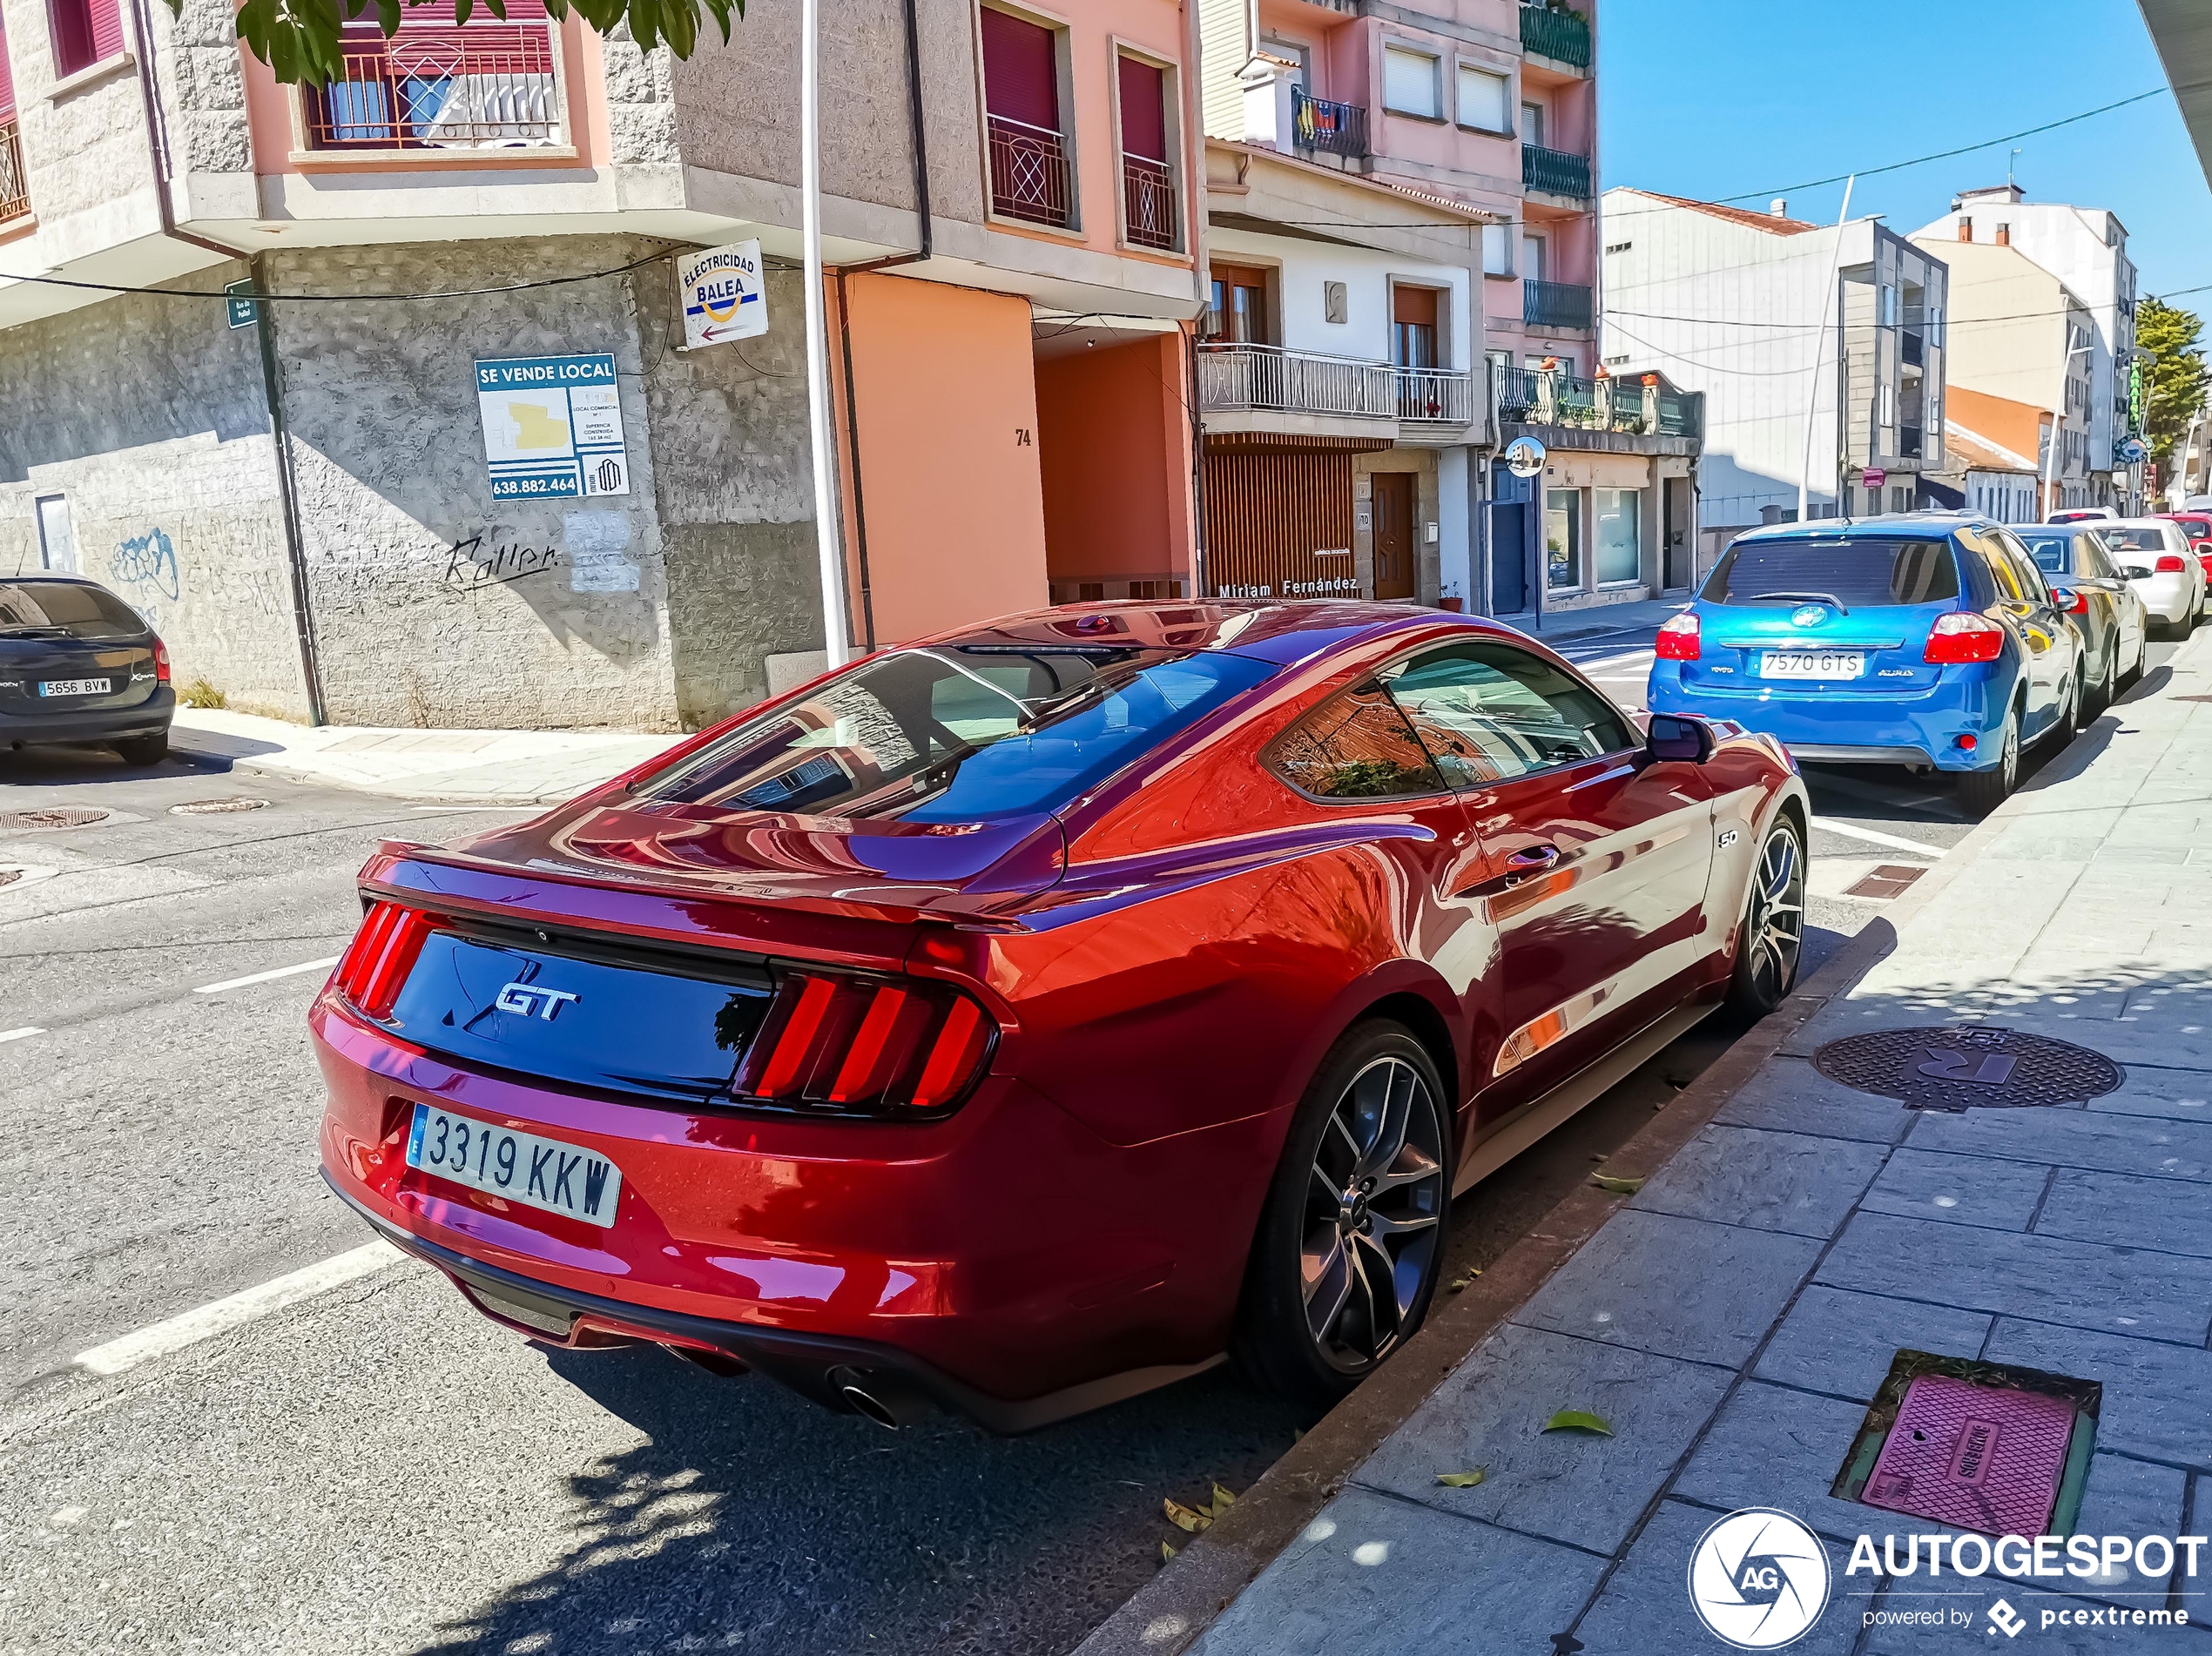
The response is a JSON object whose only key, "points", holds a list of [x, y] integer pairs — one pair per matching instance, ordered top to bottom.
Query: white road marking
{"points": [[1634, 657], [1873, 836], [265, 977], [25, 1032], [219, 1316]]}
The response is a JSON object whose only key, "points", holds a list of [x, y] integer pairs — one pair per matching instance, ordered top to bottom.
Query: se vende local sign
{"points": [[724, 297]]}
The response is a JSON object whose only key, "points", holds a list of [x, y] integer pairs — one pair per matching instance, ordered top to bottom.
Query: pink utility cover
{"points": [[1978, 1457]]}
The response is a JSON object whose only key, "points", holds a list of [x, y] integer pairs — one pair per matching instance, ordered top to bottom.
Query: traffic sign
{"points": [[724, 297]]}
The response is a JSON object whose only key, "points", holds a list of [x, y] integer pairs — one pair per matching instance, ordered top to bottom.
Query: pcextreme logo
{"points": [[1758, 1579]]}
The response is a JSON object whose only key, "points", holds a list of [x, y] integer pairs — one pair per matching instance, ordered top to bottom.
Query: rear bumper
{"points": [[2170, 598], [149, 718], [1918, 729], [1004, 1263]]}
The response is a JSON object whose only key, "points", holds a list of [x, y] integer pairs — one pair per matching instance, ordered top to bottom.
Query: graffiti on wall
{"points": [[147, 564], [469, 568]]}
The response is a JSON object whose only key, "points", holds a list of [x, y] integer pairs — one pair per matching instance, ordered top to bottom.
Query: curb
{"points": [[1167, 1613]]}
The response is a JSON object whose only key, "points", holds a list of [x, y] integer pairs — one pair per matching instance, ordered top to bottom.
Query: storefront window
{"points": [[1563, 539], [1617, 549]]}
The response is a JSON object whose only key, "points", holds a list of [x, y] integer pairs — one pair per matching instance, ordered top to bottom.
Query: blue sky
{"points": [[1728, 96]]}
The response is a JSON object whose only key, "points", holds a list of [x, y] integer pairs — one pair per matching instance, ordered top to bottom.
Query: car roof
{"points": [[1929, 526], [1281, 631]]}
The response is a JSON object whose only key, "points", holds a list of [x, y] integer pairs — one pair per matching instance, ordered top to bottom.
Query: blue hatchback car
{"points": [[1918, 641]]}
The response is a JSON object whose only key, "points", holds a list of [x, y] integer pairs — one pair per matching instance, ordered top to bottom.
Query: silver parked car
{"points": [[2161, 566], [2110, 615]]}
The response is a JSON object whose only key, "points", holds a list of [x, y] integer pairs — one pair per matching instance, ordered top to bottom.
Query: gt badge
{"points": [[530, 1000]]}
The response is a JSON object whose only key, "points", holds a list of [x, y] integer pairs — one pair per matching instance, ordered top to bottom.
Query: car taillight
{"points": [[2169, 563], [1963, 636], [1679, 639], [160, 663], [382, 952], [867, 1046]]}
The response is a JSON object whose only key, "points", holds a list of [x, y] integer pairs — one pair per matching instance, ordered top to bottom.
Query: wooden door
{"points": [[1393, 532]]}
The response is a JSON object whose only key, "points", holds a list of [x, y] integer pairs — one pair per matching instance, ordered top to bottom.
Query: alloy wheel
{"points": [[2009, 759], [1774, 931], [1373, 1199]]}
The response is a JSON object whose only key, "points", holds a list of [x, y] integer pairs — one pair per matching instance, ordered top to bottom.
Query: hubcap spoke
{"points": [[1412, 1166], [1382, 1225], [1328, 1282]]}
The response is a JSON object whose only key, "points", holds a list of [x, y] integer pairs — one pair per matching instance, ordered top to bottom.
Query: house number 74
{"points": [[1022, 437]]}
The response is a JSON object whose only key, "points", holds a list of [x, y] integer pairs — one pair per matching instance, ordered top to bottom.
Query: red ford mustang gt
{"points": [[1016, 1020]]}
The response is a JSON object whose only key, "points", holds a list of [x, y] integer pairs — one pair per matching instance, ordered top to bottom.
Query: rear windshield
{"points": [[2148, 538], [2053, 553], [1852, 571], [77, 608], [959, 733]]}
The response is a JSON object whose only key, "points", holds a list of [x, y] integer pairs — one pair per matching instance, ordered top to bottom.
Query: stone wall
{"points": [[147, 416]]}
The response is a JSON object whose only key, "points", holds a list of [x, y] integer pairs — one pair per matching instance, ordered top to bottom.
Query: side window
{"points": [[2101, 563], [1999, 566], [2029, 573], [1490, 712], [1355, 746]]}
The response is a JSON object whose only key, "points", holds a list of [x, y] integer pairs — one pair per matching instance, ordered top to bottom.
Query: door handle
{"points": [[1532, 857]]}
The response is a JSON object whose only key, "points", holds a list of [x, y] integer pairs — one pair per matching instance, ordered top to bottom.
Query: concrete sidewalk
{"points": [[498, 767], [1732, 1320]]}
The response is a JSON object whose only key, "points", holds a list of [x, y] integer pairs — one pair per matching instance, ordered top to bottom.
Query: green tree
{"points": [[298, 39], [2173, 388]]}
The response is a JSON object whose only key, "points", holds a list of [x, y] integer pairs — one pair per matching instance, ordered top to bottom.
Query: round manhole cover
{"points": [[217, 807], [52, 816], [1967, 1067]]}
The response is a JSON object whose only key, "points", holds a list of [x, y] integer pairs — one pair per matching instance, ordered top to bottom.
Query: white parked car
{"points": [[2083, 514], [2161, 566]]}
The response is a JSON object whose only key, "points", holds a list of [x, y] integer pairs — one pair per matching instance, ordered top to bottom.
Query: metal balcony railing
{"points": [[1564, 36], [482, 86], [1330, 129], [1556, 172], [1030, 176], [15, 189], [1148, 202], [1554, 304], [1268, 378], [1435, 395], [1529, 396]]}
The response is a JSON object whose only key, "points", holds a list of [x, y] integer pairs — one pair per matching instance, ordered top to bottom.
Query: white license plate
{"points": [[1812, 664], [76, 687], [539, 1172]]}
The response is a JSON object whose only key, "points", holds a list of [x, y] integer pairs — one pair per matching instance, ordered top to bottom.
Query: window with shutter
{"points": [[85, 32], [1021, 72], [1409, 82], [7, 84], [1484, 99], [1144, 115]]}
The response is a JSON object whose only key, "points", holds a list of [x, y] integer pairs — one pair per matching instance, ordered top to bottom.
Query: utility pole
{"points": [[1820, 358], [836, 630]]}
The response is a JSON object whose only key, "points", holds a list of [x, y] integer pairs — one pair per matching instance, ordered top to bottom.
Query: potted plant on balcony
{"points": [[1452, 600]]}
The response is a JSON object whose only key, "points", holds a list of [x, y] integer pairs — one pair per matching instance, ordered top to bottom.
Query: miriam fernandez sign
{"points": [[724, 296]]}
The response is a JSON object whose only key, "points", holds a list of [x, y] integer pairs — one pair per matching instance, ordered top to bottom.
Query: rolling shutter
{"points": [[107, 29], [1021, 72], [7, 82], [1145, 116]]}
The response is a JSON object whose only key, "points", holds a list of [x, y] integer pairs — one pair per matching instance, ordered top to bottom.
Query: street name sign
{"points": [[724, 296], [238, 303], [552, 427]]}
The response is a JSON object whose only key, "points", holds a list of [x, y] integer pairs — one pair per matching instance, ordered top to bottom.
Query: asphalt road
{"points": [[376, 1469]]}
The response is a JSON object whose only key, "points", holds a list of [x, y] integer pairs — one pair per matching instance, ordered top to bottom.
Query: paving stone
{"points": [[2180, 1094], [1789, 1095], [2102, 1139], [1790, 1181], [1958, 1190], [2172, 1215], [2089, 1285], [1682, 1288], [1844, 1343], [2154, 1394], [1776, 1447], [1567, 1486], [2132, 1497], [1374, 1575], [1645, 1608]]}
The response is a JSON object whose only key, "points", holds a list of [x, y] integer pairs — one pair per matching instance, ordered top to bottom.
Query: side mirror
{"points": [[2138, 572], [2064, 598], [1685, 740]]}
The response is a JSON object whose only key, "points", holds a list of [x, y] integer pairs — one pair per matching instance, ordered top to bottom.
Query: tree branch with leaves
{"points": [[300, 39], [2175, 387]]}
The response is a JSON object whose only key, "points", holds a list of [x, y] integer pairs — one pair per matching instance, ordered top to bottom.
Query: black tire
{"points": [[2099, 696], [2067, 725], [143, 750], [1982, 791], [1773, 941], [1377, 1086]]}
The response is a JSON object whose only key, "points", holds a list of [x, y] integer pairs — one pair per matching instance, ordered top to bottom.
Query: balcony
{"points": [[1563, 37], [485, 86], [1317, 125], [1556, 172], [1030, 176], [15, 190], [1148, 203], [1554, 304], [1268, 378], [1435, 396], [1528, 396]]}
